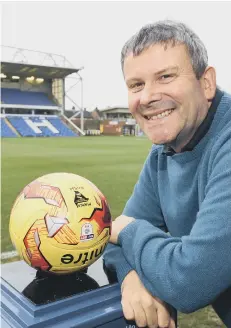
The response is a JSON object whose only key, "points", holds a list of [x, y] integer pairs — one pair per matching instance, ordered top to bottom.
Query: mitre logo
{"points": [[79, 198]]}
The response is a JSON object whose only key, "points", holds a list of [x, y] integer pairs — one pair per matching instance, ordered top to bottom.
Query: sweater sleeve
{"points": [[146, 209], [191, 271]]}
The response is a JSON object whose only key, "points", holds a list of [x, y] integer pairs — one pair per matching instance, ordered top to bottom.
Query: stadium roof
{"points": [[26, 70]]}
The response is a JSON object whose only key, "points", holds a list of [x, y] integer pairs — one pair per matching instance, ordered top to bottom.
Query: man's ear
{"points": [[208, 82]]}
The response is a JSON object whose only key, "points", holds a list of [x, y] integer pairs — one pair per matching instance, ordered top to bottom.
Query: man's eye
{"points": [[166, 77], [136, 86]]}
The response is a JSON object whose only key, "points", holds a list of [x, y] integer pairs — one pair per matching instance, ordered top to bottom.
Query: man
{"points": [[172, 243]]}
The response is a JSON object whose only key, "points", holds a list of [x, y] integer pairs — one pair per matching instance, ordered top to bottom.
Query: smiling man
{"points": [[171, 245]]}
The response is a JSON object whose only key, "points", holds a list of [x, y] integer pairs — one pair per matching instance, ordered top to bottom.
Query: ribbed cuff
{"points": [[126, 235], [116, 261], [122, 269]]}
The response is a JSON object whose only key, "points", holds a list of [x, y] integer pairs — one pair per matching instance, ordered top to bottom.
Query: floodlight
{"points": [[30, 79], [39, 80]]}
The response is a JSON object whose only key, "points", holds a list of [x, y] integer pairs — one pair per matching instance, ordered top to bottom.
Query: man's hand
{"points": [[118, 225], [139, 305]]}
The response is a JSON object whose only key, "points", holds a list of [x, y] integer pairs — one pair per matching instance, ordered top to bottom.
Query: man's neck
{"points": [[182, 141]]}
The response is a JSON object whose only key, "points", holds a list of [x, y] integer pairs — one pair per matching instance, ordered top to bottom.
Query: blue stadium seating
{"points": [[18, 97], [21, 126], [61, 127], [6, 130], [25, 130]]}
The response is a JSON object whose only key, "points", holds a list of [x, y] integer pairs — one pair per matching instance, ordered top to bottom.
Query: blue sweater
{"points": [[180, 242]]}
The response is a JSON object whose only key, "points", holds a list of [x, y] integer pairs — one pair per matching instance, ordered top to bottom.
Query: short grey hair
{"points": [[168, 32]]}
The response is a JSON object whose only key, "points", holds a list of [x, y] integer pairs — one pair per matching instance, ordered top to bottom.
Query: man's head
{"points": [[170, 86]]}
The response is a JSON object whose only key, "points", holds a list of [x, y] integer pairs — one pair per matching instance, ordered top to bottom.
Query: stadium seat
{"points": [[18, 97], [6, 130], [25, 130]]}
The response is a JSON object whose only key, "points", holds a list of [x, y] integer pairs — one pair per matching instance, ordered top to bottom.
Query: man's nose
{"points": [[148, 95]]}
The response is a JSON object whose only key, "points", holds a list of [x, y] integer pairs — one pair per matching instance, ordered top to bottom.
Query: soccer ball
{"points": [[60, 223]]}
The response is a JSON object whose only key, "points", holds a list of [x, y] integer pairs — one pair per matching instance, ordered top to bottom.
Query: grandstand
{"points": [[33, 100]]}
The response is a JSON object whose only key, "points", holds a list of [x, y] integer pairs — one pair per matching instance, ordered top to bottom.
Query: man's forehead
{"points": [[159, 49], [156, 58]]}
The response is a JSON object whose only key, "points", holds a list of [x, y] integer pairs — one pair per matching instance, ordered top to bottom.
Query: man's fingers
{"points": [[139, 305], [128, 310], [134, 312], [150, 312], [140, 316], [163, 316], [172, 323]]}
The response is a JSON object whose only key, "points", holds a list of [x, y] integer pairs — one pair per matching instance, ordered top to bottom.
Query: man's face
{"points": [[164, 95]]}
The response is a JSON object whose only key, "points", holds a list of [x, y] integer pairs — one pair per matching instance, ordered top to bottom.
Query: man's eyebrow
{"points": [[168, 68], [132, 80]]}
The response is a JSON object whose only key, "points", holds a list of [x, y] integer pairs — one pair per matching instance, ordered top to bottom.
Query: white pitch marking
{"points": [[8, 255]]}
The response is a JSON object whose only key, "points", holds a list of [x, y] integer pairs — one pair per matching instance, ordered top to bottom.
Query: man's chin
{"points": [[161, 136], [160, 141]]}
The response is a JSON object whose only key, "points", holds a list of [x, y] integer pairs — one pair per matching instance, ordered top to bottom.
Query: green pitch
{"points": [[111, 163]]}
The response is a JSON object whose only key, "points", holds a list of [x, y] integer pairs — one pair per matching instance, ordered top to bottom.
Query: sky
{"points": [[92, 34]]}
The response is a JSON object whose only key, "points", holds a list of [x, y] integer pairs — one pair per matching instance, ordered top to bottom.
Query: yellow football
{"points": [[60, 223]]}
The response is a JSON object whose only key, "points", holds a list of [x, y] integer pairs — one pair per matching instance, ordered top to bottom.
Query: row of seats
{"points": [[18, 97], [21, 126], [30, 127], [61, 127], [6, 131]]}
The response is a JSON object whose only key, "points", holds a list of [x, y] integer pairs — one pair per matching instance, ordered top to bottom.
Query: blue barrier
{"points": [[100, 307]]}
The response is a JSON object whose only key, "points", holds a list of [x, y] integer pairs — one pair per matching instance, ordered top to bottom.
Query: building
{"points": [[116, 113], [117, 121]]}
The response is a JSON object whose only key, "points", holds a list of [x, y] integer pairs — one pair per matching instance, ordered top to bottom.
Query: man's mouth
{"points": [[162, 114]]}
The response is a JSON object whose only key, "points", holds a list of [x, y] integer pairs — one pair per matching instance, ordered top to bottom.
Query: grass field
{"points": [[112, 163]]}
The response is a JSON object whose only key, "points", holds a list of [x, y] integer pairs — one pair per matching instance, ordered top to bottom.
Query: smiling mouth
{"points": [[158, 116]]}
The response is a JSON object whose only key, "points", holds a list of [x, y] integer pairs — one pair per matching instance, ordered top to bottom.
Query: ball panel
{"points": [[32, 243]]}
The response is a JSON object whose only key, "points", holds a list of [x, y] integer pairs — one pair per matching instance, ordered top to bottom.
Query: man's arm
{"points": [[147, 209], [191, 271], [137, 302]]}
